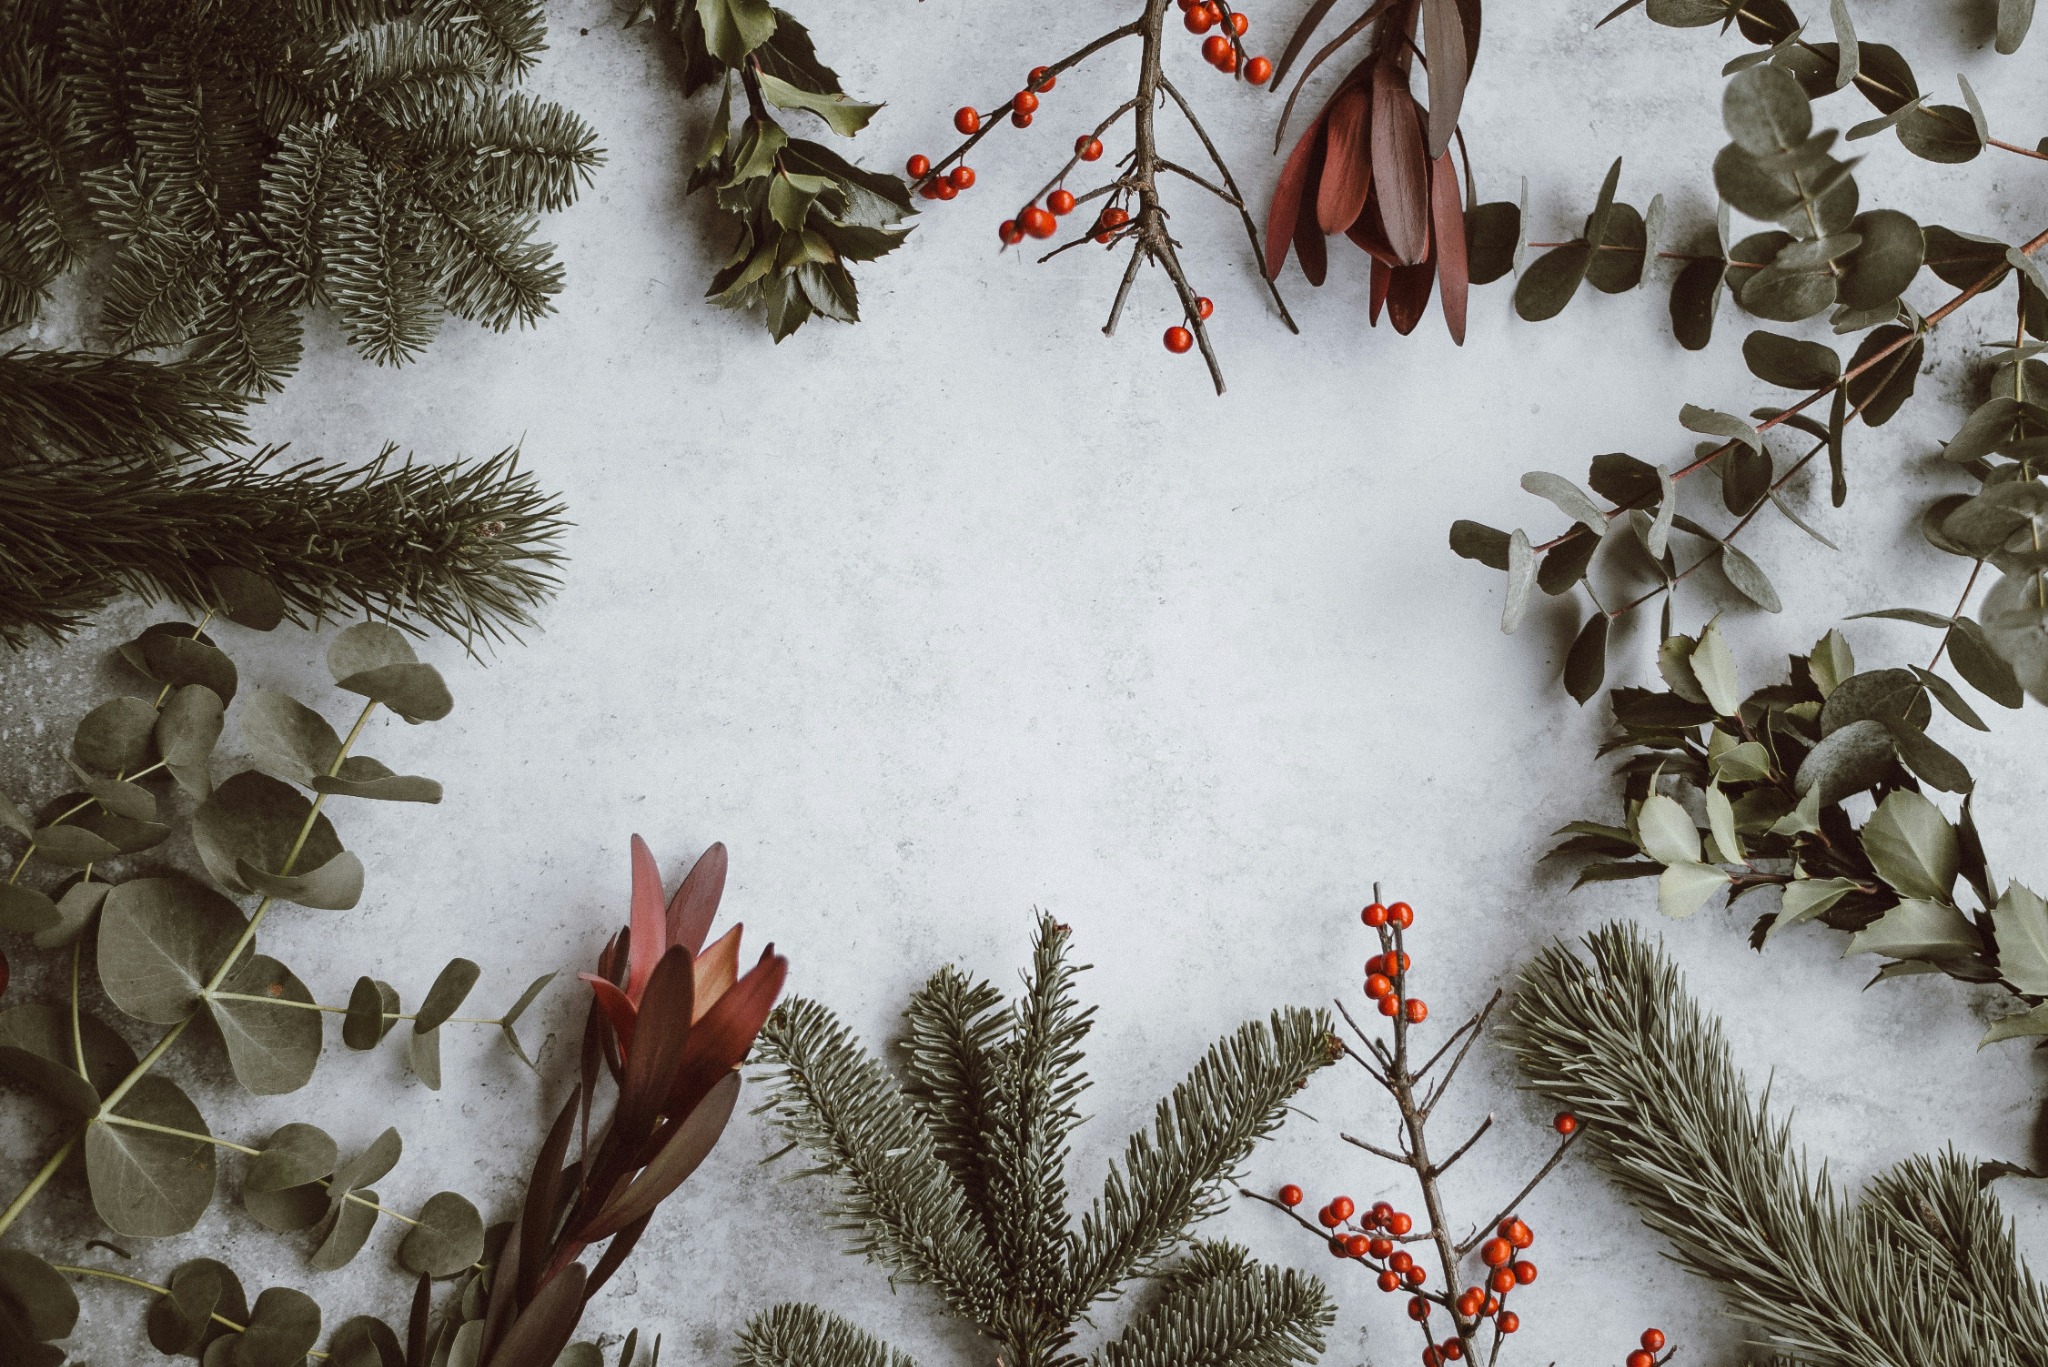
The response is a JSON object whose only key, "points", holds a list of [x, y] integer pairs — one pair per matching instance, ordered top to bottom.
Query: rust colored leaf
{"points": [[1450, 66], [1347, 162], [1400, 168], [1297, 187], [1452, 267], [1382, 281], [1408, 294], [696, 902], [649, 931], [717, 968], [617, 1010], [661, 1034], [721, 1040], [688, 1144], [544, 1193], [543, 1328]]}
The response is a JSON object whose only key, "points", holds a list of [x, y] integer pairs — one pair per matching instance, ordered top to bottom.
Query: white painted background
{"points": [[967, 610]]}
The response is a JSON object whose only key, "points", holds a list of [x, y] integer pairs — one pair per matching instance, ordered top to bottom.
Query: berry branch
{"points": [[1135, 215], [1373, 1238]]}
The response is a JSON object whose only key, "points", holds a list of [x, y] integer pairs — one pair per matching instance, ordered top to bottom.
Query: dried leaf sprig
{"points": [[1132, 213], [1379, 1238]]}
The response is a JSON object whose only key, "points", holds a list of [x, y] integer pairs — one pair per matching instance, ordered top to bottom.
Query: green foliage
{"points": [[242, 162], [799, 212], [102, 492], [956, 1177], [1922, 1271]]}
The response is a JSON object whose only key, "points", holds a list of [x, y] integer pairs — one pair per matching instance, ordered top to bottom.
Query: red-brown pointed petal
{"points": [[1450, 66], [1347, 162], [1400, 167], [1296, 187], [1447, 212], [1369, 235], [1382, 278], [1408, 295], [696, 901], [650, 934], [717, 969], [617, 1008], [661, 1032], [721, 1040], [686, 1146], [543, 1328]]}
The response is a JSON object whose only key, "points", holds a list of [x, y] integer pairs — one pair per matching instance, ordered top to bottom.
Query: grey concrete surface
{"points": [[968, 609]]}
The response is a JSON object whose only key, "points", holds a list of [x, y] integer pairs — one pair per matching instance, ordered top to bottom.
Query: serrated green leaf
{"points": [[1912, 846]]}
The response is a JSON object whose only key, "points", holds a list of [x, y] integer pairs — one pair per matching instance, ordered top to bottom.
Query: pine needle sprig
{"points": [[73, 405], [466, 547], [1201, 1135], [956, 1177], [1923, 1271]]}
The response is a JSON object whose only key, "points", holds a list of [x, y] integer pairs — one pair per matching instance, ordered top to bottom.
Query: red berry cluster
{"points": [[1222, 49], [939, 187], [1386, 974], [1368, 1237], [1646, 1356]]}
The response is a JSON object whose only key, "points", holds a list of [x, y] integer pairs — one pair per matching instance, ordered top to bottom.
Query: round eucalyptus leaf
{"points": [[1765, 111], [1941, 133], [1753, 186], [1751, 255], [1886, 261], [1617, 266], [1551, 280], [1788, 294], [1695, 295], [1790, 362], [1880, 391], [1931, 522], [246, 598], [2016, 626], [366, 646], [178, 658], [415, 692], [1875, 695], [186, 731], [115, 736], [288, 738], [1849, 761], [364, 777], [118, 796], [253, 817], [14, 818], [125, 835], [74, 846], [336, 885], [75, 909], [25, 911], [161, 941], [451, 988], [372, 1011], [43, 1030], [272, 1048], [423, 1054], [56, 1082], [293, 1156], [369, 1166], [147, 1184], [290, 1210], [348, 1229], [448, 1238], [35, 1298], [181, 1323], [283, 1327], [365, 1342], [468, 1346], [221, 1352]]}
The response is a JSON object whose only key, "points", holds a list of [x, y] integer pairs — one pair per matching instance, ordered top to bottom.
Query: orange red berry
{"points": [[1200, 19], [1238, 24], [1215, 48], [1257, 70], [1038, 80], [1024, 102], [967, 119], [1019, 119], [1087, 148], [918, 167], [962, 177], [944, 189], [1060, 202], [1038, 222], [1010, 232], [1204, 306], [1179, 340], [1401, 914], [1374, 915], [1390, 1005], [1416, 1010], [1565, 1123], [1290, 1195], [1342, 1207], [1399, 1224], [1517, 1233], [1357, 1244], [1495, 1252], [1525, 1271], [1389, 1280], [1502, 1280], [1509, 1322], [1653, 1339], [1640, 1358]]}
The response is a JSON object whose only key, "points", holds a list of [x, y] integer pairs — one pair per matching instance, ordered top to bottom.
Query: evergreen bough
{"points": [[243, 160], [955, 1176], [1922, 1271]]}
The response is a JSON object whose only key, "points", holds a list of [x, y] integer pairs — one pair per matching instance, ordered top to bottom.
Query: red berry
{"points": [[1199, 20], [1238, 24], [1215, 48], [1228, 65], [1257, 70], [1038, 80], [1024, 102], [966, 119], [1020, 120], [1087, 148], [918, 167], [962, 177], [944, 188], [930, 189], [1060, 202], [1115, 218], [1038, 222], [1010, 232], [1204, 306], [1179, 340], [1401, 914], [1374, 915], [1399, 962], [1378, 985], [1390, 1005], [1417, 1011], [1565, 1123], [1290, 1195], [1342, 1207], [1382, 1212], [1328, 1219], [1399, 1224], [1518, 1234], [1357, 1245], [1338, 1248], [1380, 1248], [1495, 1252], [1401, 1261], [1525, 1272], [1416, 1275], [1503, 1280], [1390, 1281], [1470, 1301], [1492, 1304], [1418, 1308], [1510, 1322], [1653, 1339], [1452, 1350], [1431, 1357], [1639, 1358]]}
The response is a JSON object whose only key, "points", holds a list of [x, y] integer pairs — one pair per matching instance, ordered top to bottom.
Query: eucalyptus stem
{"points": [[139, 1284]]}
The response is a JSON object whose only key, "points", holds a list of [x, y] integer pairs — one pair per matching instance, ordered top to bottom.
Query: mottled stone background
{"points": [[967, 610]]}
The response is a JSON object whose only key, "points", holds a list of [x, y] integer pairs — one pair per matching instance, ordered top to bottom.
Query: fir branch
{"points": [[67, 405], [465, 547], [952, 1028], [1202, 1133], [896, 1196], [1923, 1272], [1221, 1309], [805, 1336]]}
